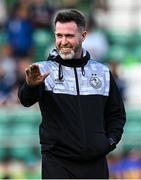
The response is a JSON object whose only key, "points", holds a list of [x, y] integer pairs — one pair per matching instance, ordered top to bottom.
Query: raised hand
{"points": [[33, 75]]}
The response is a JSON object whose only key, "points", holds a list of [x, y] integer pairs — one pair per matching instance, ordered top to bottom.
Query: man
{"points": [[82, 112]]}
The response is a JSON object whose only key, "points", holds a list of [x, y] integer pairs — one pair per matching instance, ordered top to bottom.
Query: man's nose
{"points": [[64, 40]]}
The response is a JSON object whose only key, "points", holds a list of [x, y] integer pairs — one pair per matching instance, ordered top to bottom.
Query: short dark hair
{"points": [[68, 15]]}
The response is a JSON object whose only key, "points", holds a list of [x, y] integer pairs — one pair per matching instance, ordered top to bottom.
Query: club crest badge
{"points": [[95, 82]]}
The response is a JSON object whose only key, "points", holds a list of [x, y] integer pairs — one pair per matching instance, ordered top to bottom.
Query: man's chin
{"points": [[67, 56]]}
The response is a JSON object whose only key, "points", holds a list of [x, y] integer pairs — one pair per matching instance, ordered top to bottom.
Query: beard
{"points": [[67, 52], [69, 55]]}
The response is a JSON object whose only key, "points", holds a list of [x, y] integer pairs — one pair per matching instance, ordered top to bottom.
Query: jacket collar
{"points": [[54, 56]]}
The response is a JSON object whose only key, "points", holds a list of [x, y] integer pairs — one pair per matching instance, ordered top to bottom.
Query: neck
{"points": [[79, 54]]}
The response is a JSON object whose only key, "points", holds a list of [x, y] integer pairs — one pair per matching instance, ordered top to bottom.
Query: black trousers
{"points": [[57, 168]]}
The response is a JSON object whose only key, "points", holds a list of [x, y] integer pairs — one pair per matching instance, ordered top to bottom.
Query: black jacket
{"points": [[80, 105]]}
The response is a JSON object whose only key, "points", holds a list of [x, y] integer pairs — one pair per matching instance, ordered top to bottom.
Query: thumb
{"points": [[45, 75]]}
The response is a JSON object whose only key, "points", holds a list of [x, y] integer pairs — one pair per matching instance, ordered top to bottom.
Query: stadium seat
{"points": [[3, 37], [119, 38], [42, 41], [137, 52], [116, 53], [4, 118], [132, 129], [3, 130], [23, 153], [4, 154]]}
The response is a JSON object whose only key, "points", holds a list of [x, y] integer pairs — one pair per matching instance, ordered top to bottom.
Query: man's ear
{"points": [[84, 34]]}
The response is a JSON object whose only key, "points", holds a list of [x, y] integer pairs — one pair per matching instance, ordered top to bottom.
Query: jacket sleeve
{"points": [[29, 95], [115, 115]]}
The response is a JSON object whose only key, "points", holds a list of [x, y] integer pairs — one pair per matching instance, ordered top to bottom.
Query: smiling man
{"points": [[69, 40], [82, 112]]}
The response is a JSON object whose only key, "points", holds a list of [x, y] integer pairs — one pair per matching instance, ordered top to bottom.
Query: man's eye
{"points": [[58, 35], [69, 35]]}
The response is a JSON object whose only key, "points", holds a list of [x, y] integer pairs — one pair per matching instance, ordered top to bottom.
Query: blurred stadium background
{"points": [[26, 36]]}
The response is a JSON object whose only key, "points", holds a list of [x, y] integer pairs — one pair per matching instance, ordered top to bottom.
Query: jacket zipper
{"points": [[77, 84], [80, 113]]}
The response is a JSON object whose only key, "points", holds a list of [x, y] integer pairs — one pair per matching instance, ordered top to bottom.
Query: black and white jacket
{"points": [[80, 105]]}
